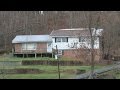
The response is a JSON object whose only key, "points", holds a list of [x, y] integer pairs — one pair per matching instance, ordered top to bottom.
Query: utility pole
{"points": [[56, 57]]}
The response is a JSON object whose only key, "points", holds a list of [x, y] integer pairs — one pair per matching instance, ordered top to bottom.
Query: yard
{"points": [[50, 72]]}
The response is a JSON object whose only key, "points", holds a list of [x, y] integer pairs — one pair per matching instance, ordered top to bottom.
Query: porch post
{"points": [[35, 55]]}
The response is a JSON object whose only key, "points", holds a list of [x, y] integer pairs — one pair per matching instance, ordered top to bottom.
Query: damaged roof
{"points": [[74, 32]]}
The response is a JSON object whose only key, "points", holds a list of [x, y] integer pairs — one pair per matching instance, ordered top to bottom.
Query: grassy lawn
{"points": [[50, 68], [50, 72], [117, 74], [38, 76]]}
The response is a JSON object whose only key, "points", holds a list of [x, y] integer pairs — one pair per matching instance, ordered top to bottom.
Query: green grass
{"points": [[49, 68], [50, 71], [116, 74], [38, 76]]}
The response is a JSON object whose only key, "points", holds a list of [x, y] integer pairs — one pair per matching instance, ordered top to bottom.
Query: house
{"points": [[70, 41], [32, 44]]}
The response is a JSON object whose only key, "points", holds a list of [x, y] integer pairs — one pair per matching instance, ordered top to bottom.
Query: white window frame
{"points": [[61, 39], [64, 39], [58, 40], [26, 46]]}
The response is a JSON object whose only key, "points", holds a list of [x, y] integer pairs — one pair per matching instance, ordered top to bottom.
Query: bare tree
{"points": [[92, 22]]}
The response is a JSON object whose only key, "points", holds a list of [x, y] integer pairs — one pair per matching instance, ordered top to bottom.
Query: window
{"points": [[58, 39], [63, 39], [82, 39], [30, 46]]}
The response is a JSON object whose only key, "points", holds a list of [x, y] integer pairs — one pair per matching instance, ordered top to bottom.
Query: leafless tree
{"points": [[93, 19]]}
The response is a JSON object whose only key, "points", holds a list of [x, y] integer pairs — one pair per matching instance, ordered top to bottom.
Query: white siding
{"points": [[70, 43], [60, 45], [96, 45]]}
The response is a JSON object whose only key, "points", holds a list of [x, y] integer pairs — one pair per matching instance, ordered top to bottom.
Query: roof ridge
{"points": [[74, 29], [52, 31]]}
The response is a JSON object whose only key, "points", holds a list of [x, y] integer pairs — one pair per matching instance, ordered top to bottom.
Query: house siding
{"points": [[71, 40], [63, 45], [18, 48], [41, 48]]}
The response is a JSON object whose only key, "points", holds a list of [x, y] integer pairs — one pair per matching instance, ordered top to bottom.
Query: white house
{"points": [[74, 38], [69, 40]]}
